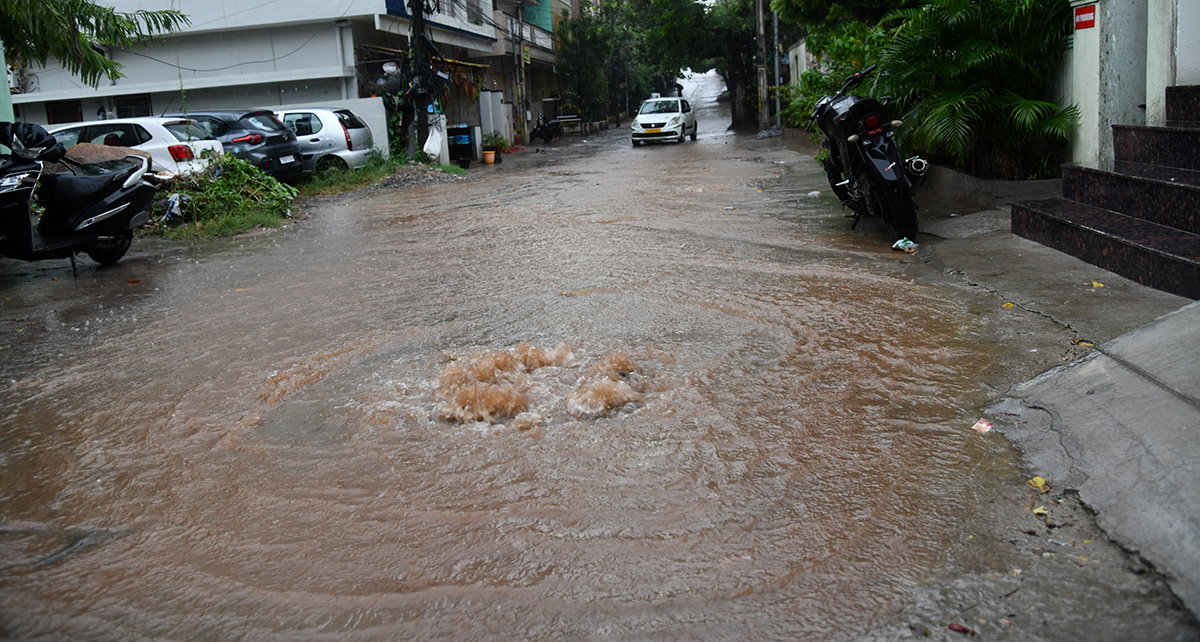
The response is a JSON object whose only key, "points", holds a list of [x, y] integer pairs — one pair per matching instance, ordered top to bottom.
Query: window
{"points": [[474, 12], [133, 106], [64, 111], [349, 119], [263, 122], [303, 123], [214, 126], [184, 130], [121, 135], [68, 137]]}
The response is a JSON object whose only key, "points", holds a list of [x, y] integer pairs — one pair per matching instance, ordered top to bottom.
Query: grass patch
{"points": [[453, 169], [335, 181]]}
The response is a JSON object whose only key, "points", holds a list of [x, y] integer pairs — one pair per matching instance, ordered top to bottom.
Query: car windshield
{"points": [[660, 107], [349, 119], [263, 122], [186, 130]]}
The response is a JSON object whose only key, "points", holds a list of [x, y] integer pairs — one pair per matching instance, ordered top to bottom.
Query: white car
{"points": [[663, 119], [329, 138], [174, 144]]}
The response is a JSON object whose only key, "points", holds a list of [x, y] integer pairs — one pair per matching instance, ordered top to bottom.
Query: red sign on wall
{"points": [[1085, 17]]}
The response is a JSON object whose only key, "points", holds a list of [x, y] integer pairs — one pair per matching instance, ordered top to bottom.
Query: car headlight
{"points": [[675, 120]]}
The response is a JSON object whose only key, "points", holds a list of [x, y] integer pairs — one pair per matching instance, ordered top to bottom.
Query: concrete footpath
{"points": [[1121, 425]]}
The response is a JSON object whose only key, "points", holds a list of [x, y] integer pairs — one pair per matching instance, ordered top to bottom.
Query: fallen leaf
{"points": [[134, 281], [1097, 284], [1007, 305], [982, 425], [1040, 484], [1041, 511], [955, 626]]}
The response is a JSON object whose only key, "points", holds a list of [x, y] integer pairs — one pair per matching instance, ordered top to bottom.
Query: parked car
{"points": [[663, 119], [255, 136], [329, 138], [174, 144]]}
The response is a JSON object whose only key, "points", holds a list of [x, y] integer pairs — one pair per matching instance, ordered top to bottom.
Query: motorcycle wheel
{"points": [[896, 209], [111, 251]]}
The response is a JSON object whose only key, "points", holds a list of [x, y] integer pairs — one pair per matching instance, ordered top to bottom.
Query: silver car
{"points": [[663, 119], [329, 138]]}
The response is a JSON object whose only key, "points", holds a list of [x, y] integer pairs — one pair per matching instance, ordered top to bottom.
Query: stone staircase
{"points": [[1137, 215]]}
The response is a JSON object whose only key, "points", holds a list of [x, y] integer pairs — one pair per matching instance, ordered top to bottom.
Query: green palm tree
{"points": [[974, 77]]}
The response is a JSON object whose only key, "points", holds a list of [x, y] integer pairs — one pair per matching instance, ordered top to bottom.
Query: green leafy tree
{"points": [[72, 30], [845, 47], [585, 48], [735, 50], [975, 78]]}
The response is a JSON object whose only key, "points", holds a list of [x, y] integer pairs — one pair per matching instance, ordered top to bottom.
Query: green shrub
{"points": [[975, 79], [228, 197]]}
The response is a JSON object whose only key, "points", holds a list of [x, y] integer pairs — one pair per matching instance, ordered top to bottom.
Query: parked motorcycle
{"points": [[547, 130], [864, 165], [92, 208]]}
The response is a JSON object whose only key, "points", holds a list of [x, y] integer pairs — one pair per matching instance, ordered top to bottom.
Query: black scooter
{"points": [[547, 130], [864, 166], [93, 208]]}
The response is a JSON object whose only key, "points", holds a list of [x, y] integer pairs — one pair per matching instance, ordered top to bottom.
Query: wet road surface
{"points": [[602, 393]]}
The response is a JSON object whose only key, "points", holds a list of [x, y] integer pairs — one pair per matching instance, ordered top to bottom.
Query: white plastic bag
{"points": [[433, 144]]}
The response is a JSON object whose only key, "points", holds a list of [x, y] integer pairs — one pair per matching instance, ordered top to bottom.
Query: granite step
{"points": [[1183, 103], [1163, 146], [1167, 196], [1154, 255]]}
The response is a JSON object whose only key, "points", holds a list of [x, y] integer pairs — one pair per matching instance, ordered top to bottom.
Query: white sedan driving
{"points": [[663, 119]]}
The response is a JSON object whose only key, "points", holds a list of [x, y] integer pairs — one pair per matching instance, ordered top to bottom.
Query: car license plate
{"points": [[653, 131], [284, 160]]}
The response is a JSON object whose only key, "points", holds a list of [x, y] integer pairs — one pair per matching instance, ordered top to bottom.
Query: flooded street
{"points": [[611, 393]]}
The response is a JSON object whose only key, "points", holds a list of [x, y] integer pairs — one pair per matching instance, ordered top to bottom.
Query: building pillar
{"points": [[1108, 74]]}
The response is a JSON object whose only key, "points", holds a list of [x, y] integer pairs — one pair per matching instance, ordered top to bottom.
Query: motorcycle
{"points": [[547, 130], [864, 164], [91, 208]]}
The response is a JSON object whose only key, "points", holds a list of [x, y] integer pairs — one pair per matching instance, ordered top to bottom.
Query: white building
{"points": [[250, 53], [1124, 55]]}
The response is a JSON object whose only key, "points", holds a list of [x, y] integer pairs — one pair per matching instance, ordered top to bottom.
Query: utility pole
{"points": [[760, 32], [419, 55], [778, 80], [519, 91]]}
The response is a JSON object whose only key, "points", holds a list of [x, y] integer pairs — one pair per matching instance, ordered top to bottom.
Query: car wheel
{"points": [[694, 128], [682, 134], [635, 143], [330, 162]]}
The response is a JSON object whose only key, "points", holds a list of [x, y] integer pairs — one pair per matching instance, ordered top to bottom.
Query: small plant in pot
{"points": [[494, 142]]}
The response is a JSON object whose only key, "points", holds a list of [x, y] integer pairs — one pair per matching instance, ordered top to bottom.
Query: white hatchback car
{"points": [[663, 119], [329, 138], [174, 144]]}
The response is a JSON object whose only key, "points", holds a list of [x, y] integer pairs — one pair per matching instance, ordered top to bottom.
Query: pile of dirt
{"points": [[417, 174]]}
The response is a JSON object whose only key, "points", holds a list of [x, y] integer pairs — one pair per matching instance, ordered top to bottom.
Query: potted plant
{"points": [[494, 143]]}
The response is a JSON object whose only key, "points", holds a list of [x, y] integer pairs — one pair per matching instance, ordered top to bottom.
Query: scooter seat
{"points": [[88, 182], [67, 196]]}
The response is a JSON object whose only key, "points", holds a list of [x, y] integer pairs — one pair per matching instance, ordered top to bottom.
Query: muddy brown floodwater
{"points": [[618, 393]]}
